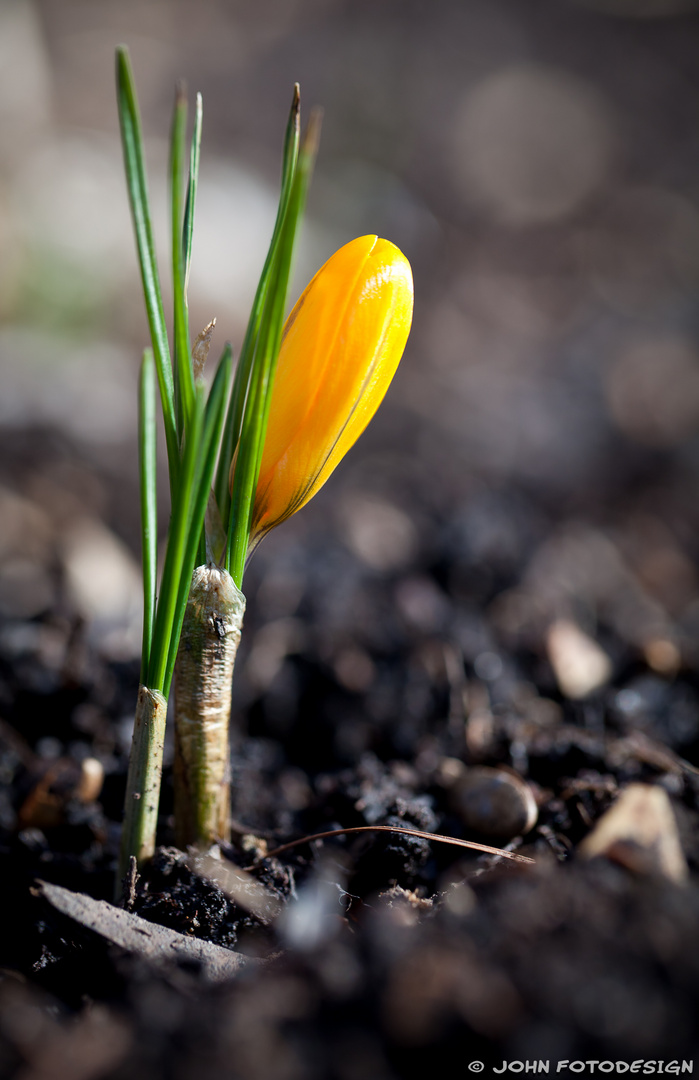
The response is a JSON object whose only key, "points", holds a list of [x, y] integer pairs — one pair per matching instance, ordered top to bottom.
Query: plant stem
{"points": [[213, 618], [203, 673], [145, 764], [143, 783]]}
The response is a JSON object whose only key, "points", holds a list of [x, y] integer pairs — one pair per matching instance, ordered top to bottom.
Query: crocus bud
{"points": [[340, 349]]}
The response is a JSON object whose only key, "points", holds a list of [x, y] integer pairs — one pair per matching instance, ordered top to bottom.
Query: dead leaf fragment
{"points": [[200, 349], [63, 781], [640, 832], [131, 932]]}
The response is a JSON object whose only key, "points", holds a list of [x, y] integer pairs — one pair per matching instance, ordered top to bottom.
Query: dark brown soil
{"points": [[393, 957]]}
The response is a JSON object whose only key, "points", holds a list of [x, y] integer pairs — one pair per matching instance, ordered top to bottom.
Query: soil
{"points": [[372, 694]]}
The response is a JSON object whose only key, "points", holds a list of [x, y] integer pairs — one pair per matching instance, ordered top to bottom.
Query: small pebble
{"points": [[663, 656], [579, 664], [488, 666], [91, 780], [494, 803], [459, 899]]}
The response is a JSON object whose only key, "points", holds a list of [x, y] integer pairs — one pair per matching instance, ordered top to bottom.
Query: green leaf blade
{"points": [[194, 157], [134, 161], [184, 378], [241, 385], [256, 415], [147, 440], [202, 481], [175, 549]]}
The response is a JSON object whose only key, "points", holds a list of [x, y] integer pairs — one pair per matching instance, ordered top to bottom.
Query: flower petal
{"points": [[341, 347]]}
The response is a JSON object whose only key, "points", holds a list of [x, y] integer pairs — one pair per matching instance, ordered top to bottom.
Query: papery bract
{"points": [[342, 344]]}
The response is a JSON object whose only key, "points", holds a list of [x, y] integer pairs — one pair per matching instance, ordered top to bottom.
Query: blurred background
{"points": [[538, 453]]}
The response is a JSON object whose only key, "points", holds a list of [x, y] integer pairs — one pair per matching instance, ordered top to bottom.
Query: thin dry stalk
{"points": [[203, 676], [435, 837]]}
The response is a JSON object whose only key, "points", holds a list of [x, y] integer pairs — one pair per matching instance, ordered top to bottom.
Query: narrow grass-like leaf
{"points": [[132, 140], [194, 155], [290, 155], [287, 246], [184, 379], [241, 383], [254, 426], [147, 441], [203, 477], [244, 477], [176, 546]]}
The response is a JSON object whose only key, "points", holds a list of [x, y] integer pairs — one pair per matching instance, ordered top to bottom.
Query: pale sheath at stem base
{"points": [[203, 676], [143, 783]]}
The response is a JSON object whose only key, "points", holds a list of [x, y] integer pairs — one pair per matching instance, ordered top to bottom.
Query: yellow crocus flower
{"points": [[341, 346]]}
